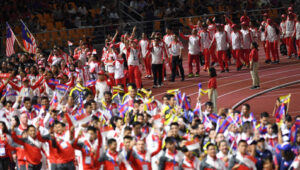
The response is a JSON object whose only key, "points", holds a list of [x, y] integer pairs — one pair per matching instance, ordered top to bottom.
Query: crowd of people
{"points": [[89, 111]]}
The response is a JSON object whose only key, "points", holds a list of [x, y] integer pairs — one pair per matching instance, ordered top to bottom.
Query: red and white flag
{"points": [[10, 40], [192, 145]]}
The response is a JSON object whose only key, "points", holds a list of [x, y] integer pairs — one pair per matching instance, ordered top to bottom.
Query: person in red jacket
{"points": [[254, 65], [32, 147], [5, 148], [90, 148], [141, 157], [111, 159]]}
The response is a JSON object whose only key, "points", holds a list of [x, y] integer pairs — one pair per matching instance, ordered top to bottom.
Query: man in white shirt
{"points": [[175, 50]]}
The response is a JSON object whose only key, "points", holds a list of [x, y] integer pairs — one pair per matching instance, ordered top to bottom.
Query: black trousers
{"points": [[176, 61], [157, 70], [4, 163], [65, 166], [34, 167]]}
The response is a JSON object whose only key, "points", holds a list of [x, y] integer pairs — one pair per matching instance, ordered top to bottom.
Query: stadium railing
{"points": [[48, 39]]}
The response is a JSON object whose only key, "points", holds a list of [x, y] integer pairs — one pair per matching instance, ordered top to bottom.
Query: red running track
{"points": [[235, 85]]}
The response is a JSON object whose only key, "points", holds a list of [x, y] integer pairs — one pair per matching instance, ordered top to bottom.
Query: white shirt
{"points": [[290, 28], [282, 29], [298, 31], [271, 35], [247, 38], [205, 39], [236, 40], [221, 41], [144, 44], [194, 45], [175, 48], [157, 54], [133, 56], [119, 69], [102, 87]]}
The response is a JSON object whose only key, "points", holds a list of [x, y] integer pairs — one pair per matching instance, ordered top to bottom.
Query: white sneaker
{"points": [[165, 79], [158, 86]]}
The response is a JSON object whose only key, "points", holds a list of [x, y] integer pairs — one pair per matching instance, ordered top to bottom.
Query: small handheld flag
{"points": [[70, 43]]}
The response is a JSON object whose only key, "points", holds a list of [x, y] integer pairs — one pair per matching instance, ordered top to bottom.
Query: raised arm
{"points": [[185, 37], [37, 84], [14, 86]]}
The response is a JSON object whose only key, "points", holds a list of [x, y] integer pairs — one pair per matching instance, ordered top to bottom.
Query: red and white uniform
{"points": [[282, 30], [289, 34], [262, 35], [298, 36], [247, 40], [221, 41], [205, 42], [271, 42], [144, 45], [236, 45], [175, 48], [212, 50], [194, 51], [158, 54], [133, 57], [109, 63], [119, 72], [102, 86], [26, 91], [66, 151], [90, 151], [142, 160], [110, 161], [193, 164]]}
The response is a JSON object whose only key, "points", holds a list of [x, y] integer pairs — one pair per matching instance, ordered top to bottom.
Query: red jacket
{"points": [[32, 152], [89, 159]]}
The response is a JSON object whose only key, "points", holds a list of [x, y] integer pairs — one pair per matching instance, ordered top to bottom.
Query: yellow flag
{"points": [[117, 89], [173, 91], [203, 92], [285, 99]]}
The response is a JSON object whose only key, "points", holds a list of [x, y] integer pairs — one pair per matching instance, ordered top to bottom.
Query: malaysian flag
{"points": [[28, 39], [10, 40]]}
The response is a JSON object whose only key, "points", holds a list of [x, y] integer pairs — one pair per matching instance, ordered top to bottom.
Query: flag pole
{"points": [[26, 26], [29, 32], [16, 38]]}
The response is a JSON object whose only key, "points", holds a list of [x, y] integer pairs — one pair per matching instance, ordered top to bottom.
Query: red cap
{"points": [[290, 8], [265, 14], [282, 16], [123, 36], [101, 72], [25, 79]]}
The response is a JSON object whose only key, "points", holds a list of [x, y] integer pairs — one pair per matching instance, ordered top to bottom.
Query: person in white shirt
{"points": [[282, 28], [272, 32], [290, 33], [262, 34], [298, 35], [247, 40], [221, 41], [205, 42], [144, 45], [236, 45], [175, 49], [194, 51], [158, 56], [134, 61]]}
